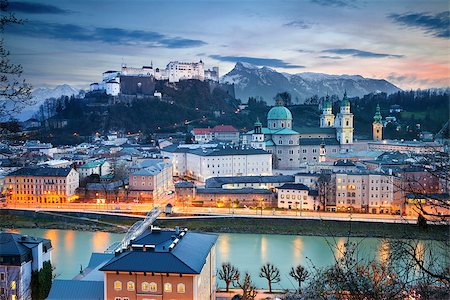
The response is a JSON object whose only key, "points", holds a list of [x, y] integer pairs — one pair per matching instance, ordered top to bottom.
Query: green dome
{"points": [[345, 101], [327, 104], [279, 113]]}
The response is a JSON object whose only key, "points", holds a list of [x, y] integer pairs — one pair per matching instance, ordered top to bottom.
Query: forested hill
{"points": [[186, 101]]}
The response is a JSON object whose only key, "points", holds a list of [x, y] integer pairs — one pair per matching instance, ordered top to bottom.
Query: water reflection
{"points": [[99, 240], [69, 241], [297, 245], [224, 247], [263, 248], [340, 248], [384, 252]]}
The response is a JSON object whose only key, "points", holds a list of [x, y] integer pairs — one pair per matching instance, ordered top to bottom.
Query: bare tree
{"points": [[15, 93], [270, 273], [229, 274], [300, 274], [248, 288]]}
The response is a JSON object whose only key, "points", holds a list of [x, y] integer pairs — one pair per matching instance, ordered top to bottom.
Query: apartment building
{"points": [[41, 185]]}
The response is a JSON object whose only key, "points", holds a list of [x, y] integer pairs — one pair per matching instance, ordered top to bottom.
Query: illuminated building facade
{"points": [[41, 185]]}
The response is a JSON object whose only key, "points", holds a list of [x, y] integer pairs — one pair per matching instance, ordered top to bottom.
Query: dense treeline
{"points": [[194, 105]]}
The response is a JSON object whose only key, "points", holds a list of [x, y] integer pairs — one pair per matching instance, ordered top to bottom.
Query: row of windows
{"points": [[30, 180], [282, 196], [295, 202], [150, 287]]}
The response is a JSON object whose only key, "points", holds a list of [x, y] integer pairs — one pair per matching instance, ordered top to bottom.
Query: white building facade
{"points": [[204, 163]]}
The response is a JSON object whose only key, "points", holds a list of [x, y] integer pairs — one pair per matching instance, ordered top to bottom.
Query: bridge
{"points": [[135, 230]]}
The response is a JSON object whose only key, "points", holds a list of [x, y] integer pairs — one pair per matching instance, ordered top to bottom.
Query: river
{"points": [[72, 249]]}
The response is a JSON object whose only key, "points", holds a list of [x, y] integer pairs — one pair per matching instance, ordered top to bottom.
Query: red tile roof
{"points": [[224, 128], [201, 130]]}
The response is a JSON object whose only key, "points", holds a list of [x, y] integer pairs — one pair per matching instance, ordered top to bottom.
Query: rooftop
{"points": [[43, 171], [218, 182], [294, 186], [232, 191], [166, 251], [76, 289]]}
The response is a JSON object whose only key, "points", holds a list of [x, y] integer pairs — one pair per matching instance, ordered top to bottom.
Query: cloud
{"points": [[336, 3], [35, 8], [298, 24], [437, 25], [113, 36], [304, 51], [360, 53], [330, 57], [267, 62]]}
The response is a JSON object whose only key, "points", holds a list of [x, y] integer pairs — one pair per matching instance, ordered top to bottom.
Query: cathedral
{"points": [[293, 148]]}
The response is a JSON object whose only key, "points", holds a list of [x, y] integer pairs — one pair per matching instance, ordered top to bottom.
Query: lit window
{"points": [[13, 285], [117, 285], [130, 285], [145, 287], [153, 287], [167, 287], [181, 288], [13, 297]]}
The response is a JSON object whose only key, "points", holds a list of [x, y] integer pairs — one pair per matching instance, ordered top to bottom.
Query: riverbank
{"points": [[11, 220]]}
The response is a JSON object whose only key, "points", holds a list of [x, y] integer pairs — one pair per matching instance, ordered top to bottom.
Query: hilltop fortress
{"points": [[132, 80]]}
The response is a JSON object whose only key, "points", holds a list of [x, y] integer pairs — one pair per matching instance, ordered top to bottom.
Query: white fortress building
{"points": [[175, 71]]}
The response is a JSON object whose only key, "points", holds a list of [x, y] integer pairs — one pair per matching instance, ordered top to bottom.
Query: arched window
{"points": [[329, 123], [347, 123], [117, 285], [130, 285], [145, 287], [153, 287], [167, 287], [181, 288]]}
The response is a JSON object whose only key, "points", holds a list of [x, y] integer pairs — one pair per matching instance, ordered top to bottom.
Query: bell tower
{"points": [[377, 125], [258, 136]]}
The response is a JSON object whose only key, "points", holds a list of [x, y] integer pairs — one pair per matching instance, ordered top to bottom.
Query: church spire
{"points": [[377, 118]]}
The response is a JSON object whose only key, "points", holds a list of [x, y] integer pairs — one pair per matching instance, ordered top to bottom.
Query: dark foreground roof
{"points": [[18, 245], [187, 257], [76, 289]]}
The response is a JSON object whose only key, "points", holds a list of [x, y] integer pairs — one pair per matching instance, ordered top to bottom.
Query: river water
{"points": [[72, 249]]}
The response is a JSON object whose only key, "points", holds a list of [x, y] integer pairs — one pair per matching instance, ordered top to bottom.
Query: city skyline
{"points": [[405, 42]]}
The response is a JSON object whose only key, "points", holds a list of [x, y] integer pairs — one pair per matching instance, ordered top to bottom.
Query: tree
{"points": [[15, 93], [286, 97], [270, 273], [229, 274], [300, 274], [41, 281], [248, 288]]}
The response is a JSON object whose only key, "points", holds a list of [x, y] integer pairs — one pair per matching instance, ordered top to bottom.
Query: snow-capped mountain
{"points": [[254, 81], [42, 94]]}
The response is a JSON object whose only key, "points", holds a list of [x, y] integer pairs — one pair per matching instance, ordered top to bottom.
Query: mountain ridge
{"points": [[254, 81], [40, 94]]}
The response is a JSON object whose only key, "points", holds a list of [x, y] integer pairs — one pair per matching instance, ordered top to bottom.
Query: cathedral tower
{"points": [[327, 117], [344, 123]]}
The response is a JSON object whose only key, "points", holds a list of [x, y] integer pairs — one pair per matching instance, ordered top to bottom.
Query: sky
{"points": [[73, 42]]}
